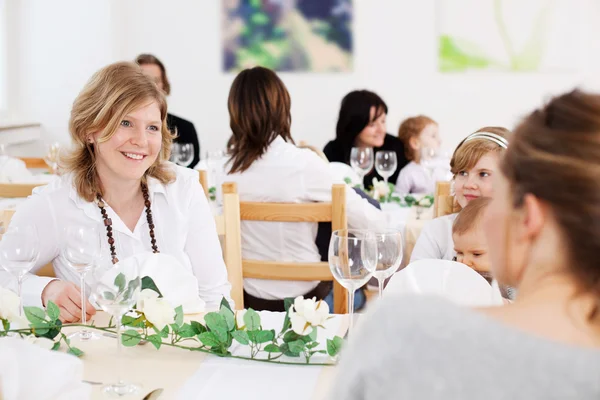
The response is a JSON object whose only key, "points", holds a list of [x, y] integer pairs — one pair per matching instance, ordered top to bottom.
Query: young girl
{"points": [[417, 133], [474, 163]]}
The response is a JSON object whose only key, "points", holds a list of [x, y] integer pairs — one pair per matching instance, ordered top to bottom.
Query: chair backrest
{"points": [[319, 152], [35, 163], [204, 181], [14, 190], [444, 203], [334, 212], [5, 217]]}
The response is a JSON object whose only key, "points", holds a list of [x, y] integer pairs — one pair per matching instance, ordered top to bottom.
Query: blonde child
{"points": [[417, 133]]}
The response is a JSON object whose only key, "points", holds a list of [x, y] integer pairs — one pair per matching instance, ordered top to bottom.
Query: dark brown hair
{"points": [[149, 59], [259, 111], [410, 128], [467, 154], [555, 156], [469, 216]]}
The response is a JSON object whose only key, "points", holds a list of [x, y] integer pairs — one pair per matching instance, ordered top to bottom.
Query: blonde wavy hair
{"points": [[108, 96]]}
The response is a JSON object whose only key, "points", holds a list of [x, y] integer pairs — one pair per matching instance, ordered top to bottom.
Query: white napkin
{"points": [[13, 170], [176, 283], [28, 371]]}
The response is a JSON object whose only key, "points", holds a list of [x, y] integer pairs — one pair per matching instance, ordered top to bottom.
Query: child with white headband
{"points": [[473, 164]]}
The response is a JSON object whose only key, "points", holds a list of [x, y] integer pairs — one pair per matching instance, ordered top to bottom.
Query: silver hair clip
{"points": [[499, 140]]}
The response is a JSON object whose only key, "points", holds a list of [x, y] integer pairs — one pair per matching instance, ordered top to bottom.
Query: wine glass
{"points": [[175, 153], [185, 154], [52, 156], [361, 160], [215, 161], [437, 162], [386, 163], [19, 251], [81, 252], [389, 255], [352, 260], [115, 290]]}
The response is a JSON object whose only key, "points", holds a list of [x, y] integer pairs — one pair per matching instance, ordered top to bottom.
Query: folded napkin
{"points": [[13, 170], [176, 283], [28, 371]]}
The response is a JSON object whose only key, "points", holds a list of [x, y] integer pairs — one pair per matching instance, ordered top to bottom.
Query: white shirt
{"points": [[288, 174], [414, 178], [184, 229], [435, 240]]}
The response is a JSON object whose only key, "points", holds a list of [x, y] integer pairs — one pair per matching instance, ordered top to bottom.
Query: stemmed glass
{"points": [[185, 154], [52, 156], [435, 158], [361, 160], [215, 161], [386, 163], [19, 251], [81, 252], [389, 255], [352, 260], [115, 290]]}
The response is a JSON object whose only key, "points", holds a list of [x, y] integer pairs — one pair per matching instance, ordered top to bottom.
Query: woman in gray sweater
{"points": [[543, 230]]}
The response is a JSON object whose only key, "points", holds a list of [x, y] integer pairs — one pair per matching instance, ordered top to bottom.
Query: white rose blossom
{"points": [[380, 189], [9, 305], [157, 310], [306, 314], [239, 319], [42, 342]]}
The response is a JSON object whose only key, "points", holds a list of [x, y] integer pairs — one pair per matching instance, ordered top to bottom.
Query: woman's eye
{"points": [[125, 123], [153, 128], [463, 173], [484, 174]]}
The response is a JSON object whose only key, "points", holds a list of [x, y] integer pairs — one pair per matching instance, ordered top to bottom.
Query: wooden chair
{"points": [[319, 152], [35, 163], [204, 181], [14, 190], [444, 203], [334, 212], [5, 217], [228, 227]]}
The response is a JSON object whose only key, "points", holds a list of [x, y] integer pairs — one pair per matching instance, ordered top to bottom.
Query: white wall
{"points": [[63, 42]]}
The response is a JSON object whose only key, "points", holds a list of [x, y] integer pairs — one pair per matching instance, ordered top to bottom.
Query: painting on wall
{"points": [[287, 35], [507, 35]]}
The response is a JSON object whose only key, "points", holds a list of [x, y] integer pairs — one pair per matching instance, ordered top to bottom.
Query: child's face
{"points": [[477, 182], [471, 249]]}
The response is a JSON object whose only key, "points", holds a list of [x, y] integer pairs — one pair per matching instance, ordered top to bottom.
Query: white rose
{"points": [[381, 188], [425, 202], [9, 305], [158, 311], [308, 313], [239, 319], [42, 342]]}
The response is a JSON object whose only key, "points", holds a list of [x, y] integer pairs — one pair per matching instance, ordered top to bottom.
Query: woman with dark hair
{"points": [[362, 123], [186, 133], [268, 167], [543, 232]]}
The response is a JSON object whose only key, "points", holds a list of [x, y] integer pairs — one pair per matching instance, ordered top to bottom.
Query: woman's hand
{"points": [[67, 296]]}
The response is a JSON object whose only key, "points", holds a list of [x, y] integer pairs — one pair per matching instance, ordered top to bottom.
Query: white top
{"points": [[287, 174], [414, 178], [184, 229], [435, 240]]}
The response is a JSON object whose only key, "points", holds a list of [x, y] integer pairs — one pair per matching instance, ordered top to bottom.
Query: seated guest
{"points": [[361, 123], [184, 129], [417, 133], [474, 164], [268, 167], [118, 180], [543, 241]]}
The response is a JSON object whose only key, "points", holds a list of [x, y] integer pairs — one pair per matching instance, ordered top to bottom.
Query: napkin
{"points": [[28, 371]]}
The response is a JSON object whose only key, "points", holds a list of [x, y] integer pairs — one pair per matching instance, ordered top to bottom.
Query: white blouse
{"points": [[287, 174], [414, 178], [184, 228], [435, 240]]}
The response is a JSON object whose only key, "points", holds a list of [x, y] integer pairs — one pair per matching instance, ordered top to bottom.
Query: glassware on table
{"points": [[185, 154], [52, 156], [174, 157], [436, 160], [361, 161], [215, 162], [386, 163], [19, 251], [82, 252], [389, 255], [352, 260], [115, 289]]}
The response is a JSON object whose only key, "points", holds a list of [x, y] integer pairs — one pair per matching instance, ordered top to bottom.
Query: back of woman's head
{"points": [[150, 59], [108, 96], [259, 111], [355, 115], [472, 148], [555, 156]]}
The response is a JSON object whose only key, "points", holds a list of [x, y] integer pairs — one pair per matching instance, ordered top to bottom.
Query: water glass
{"points": [[185, 154], [52, 156], [361, 160], [386, 163], [19, 251], [81, 252], [389, 255], [352, 260], [115, 290]]}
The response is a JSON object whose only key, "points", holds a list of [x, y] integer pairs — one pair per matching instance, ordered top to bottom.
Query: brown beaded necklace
{"points": [[108, 223]]}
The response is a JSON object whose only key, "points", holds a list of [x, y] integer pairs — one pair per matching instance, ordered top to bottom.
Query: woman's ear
{"points": [[414, 143], [533, 217]]}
